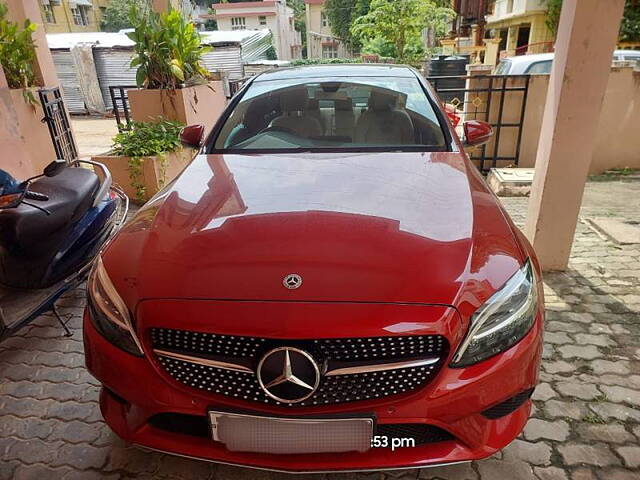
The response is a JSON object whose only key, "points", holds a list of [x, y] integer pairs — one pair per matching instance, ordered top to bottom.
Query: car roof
{"points": [[634, 53], [527, 59], [337, 70]]}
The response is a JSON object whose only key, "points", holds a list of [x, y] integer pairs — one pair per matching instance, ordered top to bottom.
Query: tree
{"points": [[116, 14], [341, 15], [300, 22], [400, 22], [629, 28]]}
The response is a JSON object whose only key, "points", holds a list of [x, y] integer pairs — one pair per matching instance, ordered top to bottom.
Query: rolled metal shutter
{"points": [[112, 67], [66, 71]]}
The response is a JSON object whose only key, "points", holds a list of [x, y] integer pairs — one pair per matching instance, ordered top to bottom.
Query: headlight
{"points": [[108, 312], [501, 321]]}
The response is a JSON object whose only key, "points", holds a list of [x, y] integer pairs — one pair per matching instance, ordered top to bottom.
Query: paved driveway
{"points": [[585, 425]]}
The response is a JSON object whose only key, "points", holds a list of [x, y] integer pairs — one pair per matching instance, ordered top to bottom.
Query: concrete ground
{"points": [[93, 135], [585, 424]]}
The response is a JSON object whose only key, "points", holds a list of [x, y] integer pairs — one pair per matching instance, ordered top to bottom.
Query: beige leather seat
{"points": [[293, 103], [345, 118], [382, 123]]}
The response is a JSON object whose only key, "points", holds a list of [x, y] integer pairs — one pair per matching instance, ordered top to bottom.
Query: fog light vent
{"points": [[508, 406]]}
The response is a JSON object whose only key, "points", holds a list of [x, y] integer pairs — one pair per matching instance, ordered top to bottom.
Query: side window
{"points": [[503, 67], [540, 67]]}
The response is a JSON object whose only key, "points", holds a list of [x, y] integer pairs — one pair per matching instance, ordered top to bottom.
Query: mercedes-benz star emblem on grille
{"points": [[292, 281], [288, 374]]}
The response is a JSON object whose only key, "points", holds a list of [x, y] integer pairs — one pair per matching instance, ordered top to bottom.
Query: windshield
{"points": [[503, 67], [310, 114]]}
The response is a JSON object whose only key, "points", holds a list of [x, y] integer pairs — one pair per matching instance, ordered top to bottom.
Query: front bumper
{"points": [[133, 393]]}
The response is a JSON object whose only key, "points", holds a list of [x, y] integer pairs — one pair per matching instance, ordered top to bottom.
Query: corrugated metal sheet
{"points": [[255, 47], [231, 50], [227, 59], [112, 67], [65, 68]]}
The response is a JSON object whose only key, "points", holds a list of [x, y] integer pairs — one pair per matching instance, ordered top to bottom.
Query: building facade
{"points": [[272, 14], [63, 16], [521, 26], [321, 43]]}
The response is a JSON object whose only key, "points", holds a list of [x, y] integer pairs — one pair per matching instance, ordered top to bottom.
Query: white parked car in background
{"points": [[541, 62]]}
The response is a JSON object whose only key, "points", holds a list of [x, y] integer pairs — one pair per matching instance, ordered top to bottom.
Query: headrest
{"points": [[294, 99], [381, 102], [343, 104], [254, 114]]}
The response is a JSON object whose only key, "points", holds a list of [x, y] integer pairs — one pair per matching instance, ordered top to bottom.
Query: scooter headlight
{"points": [[108, 312], [502, 321]]}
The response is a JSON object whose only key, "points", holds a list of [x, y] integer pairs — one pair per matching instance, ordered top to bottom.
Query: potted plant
{"points": [[18, 54], [172, 82], [22, 112], [145, 157]]}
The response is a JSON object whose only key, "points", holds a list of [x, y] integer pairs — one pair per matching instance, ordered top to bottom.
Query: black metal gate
{"points": [[500, 100], [120, 102], [55, 115]]}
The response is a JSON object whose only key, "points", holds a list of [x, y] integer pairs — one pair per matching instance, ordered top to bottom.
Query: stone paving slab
{"points": [[585, 424]]}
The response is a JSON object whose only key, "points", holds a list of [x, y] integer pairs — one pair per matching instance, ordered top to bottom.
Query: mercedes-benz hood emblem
{"points": [[292, 281]]}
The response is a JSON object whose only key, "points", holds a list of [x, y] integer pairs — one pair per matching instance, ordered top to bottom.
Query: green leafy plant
{"points": [[116, 14], [341, 14], [400, 23], [168, 50], [17, 53], [323, 61], [145, 140]]}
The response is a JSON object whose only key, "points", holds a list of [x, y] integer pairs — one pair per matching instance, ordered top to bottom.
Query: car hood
{"points": [[367, 227]]}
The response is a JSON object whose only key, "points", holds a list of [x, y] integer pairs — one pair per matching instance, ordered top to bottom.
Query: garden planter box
{"points": [[192, 105], [30, 145], [151, 172]]}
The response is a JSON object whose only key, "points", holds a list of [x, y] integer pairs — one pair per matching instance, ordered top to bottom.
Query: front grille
{"points": [[332, 389], [198, 426]]}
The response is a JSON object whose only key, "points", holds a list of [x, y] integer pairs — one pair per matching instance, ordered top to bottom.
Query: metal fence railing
{"points": [[500, 100]]}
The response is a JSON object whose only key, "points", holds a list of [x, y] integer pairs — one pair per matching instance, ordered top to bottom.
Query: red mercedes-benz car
{"points": [[329, 285]]}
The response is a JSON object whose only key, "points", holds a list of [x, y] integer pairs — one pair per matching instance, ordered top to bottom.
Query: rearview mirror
{"points": [[476, 132], [191, 136], [54, 168]]}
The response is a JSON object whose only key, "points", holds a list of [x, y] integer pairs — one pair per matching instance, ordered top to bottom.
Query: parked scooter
{"points": [[52, 226]]}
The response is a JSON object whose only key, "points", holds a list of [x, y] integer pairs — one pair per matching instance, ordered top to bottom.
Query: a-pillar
{"points": [[585, 42]]}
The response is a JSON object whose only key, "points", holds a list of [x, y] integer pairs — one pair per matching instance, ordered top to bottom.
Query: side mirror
{"points": [[452, 113], [477, 132], [191, 136], [54, 168]]}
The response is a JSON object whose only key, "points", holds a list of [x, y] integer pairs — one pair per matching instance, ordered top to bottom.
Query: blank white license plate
{"points": [[249, 433]]}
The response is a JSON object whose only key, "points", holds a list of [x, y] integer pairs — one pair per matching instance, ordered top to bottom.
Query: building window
{"points": [[509, 6], [80, 15], [49, 16], [324, 19], [262, 20], [238, 23], [329, 51]]}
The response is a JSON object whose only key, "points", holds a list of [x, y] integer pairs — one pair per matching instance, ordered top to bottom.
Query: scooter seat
{"points": [[27, 231]]}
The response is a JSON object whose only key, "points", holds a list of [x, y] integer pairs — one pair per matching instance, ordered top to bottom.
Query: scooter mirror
{"points": [[54, 168]]}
